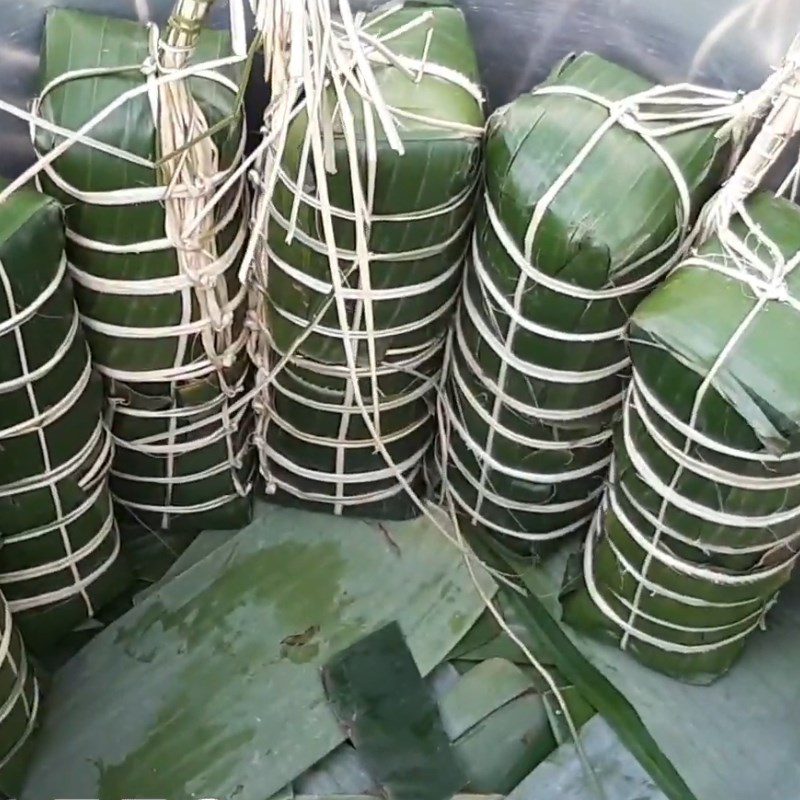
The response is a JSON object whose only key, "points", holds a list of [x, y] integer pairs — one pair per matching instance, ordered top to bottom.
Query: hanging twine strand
{"points": [[304, 44]]}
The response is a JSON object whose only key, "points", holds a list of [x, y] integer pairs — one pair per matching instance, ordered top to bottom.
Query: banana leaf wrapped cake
{"points": [[593, 182], [153, 260], [371, 346], [701, 524], [60, 555], [19, 704]]}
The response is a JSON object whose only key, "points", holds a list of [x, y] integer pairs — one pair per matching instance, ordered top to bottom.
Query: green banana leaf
{"points": [[423, 203], [529, 449], [209, 477], [201, 545], [60, 561], [539, 612], [700, 623], [216, 675], [382, 703], [19, 705], [753, 705], [495, 718], [498, 724], [696, 742], [340, 773], [561, 777], [290, 794]]}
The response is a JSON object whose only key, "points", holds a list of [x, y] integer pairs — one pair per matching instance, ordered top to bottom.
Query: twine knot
{"points": [[149, 66], [625, 111], [200, 186], [776, 291], [251, 320], [225, 321]]}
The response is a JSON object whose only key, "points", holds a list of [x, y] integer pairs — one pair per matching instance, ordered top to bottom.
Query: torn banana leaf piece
{"points": [[585, 208], [398, 300], [162, 308], [700, 527], [60, 557], [217, 673], [386, 710], [495, 717], [498, 724], [341, 772], [563, 775]]}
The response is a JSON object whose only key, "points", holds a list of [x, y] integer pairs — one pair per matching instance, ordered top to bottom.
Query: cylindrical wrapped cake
{"points": [[593, 182], [390, 226], [154, 256], [700, 526], [60, 555]]}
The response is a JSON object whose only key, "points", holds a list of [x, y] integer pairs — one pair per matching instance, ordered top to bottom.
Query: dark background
{"points": [[723, 43]]}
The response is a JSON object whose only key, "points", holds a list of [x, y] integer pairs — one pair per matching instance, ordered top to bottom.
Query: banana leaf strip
{"points": [[586, 206], [161, 305], [316, 449], [700, 525], [60, 557], [553, 645], [217, 674], [755, 702], [382, 704], [676, 723], [341, 772], [369, 797]]}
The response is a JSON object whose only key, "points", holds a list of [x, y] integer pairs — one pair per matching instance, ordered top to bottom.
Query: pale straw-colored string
{"points": [[316, 147]]}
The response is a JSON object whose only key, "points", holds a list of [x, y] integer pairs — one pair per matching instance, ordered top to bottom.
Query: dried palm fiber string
{"points": [[593, 182], [153, 263], [395, 272], [698, 529], [59, 560]]}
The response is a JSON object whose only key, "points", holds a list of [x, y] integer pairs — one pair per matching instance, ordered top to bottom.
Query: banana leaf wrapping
{"points": [[589, 196], [169, 342], [316, 448], [699, 529], [60, 556], [19, 704]]}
